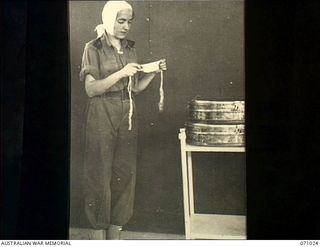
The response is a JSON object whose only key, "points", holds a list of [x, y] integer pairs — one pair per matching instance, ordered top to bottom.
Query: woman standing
{"points": [[112, 76]]}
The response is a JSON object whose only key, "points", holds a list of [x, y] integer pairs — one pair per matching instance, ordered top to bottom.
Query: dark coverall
{"points": [[110, 148]]}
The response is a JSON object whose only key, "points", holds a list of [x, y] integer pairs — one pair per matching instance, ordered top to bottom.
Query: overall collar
{"points": [[124, 42]]}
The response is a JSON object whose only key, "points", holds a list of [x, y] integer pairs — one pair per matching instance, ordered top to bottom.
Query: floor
{"points": [[84, 234]]}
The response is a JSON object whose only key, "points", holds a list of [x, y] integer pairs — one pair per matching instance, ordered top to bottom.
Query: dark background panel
{"points": [[203, 45], [282, 47], [12, 110], [34, 121], [45, 167]]}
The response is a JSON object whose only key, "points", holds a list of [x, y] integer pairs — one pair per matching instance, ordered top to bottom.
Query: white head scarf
{"points": [[109, 16]]}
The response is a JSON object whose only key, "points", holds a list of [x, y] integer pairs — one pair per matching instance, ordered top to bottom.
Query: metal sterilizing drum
{"points": [[207, 111], [215, 135]]}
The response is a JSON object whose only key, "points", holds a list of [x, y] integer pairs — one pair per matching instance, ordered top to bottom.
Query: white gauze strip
{"points": [[152, 67], [161, 90], [131, 103]]}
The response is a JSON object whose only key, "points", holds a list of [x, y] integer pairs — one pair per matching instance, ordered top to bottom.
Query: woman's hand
{"points": [[162, 65], [130, 69], [147, 78]]}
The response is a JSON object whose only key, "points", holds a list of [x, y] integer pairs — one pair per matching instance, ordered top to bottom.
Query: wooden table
{"points": [[206, 226]]}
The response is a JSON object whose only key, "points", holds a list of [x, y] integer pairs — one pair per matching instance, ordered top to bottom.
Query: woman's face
{"points": [[122, 24]]}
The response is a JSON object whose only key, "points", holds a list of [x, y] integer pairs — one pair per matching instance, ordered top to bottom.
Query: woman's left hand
{"points": [[162, 65]]}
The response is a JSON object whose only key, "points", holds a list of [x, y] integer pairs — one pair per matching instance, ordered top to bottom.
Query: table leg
{"points": [[190, 182], [185, 193]]}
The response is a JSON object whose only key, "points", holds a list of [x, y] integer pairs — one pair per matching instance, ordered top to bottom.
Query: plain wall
{"points": [[203, 44]]}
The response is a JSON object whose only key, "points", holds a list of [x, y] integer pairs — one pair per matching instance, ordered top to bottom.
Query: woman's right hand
{"points": [[130, 69]]}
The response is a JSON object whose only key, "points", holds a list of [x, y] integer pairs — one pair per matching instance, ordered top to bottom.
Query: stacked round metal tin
{"points": [[215, 123]]}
